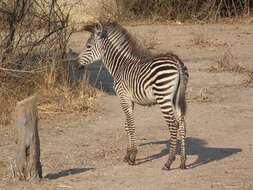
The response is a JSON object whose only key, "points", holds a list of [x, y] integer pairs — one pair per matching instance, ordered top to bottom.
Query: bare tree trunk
{"points": [[26, 165]]}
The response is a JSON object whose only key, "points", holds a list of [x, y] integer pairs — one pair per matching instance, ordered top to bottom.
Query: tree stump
{"points": [[27, 165]]}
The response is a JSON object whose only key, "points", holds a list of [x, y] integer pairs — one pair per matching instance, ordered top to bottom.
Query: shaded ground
{"points": [[86, 153]]}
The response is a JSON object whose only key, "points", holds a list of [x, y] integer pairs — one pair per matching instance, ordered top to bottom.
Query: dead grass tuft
{"points": [[200, 40], [227, 63], [249, 81], [203, 95], [67, 98], [56, 99]]}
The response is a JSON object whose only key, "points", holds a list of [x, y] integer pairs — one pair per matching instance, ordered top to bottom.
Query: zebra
{"points": [[141, 78]]}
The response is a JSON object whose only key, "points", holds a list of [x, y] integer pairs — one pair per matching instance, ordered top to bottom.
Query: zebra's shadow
{"points": [[195, 146], [64, 173]]}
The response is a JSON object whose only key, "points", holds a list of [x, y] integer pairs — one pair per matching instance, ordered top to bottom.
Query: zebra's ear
{"points": [[98, 27], [99, 30]]}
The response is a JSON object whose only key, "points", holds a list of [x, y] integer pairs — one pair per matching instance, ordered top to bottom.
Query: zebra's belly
{"points": [[145, 99]]}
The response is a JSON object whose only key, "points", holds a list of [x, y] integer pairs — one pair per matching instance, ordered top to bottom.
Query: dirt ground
{"points": [[87, 152]]}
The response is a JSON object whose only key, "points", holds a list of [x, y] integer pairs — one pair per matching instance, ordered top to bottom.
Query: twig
{"points": [[233, 3], [228, 8], [218, 10], [210, 11], [21, 71], [98, 74], [12, 170], [64, 186]]}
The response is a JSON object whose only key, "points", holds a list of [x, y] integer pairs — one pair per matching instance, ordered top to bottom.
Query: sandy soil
{"points": [[86, 152]]}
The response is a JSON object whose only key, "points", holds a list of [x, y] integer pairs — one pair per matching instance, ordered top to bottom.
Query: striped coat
{"points": [[142, 78]]}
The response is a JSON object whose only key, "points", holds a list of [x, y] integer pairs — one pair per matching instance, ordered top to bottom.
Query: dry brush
{"points": [[34, 36]]}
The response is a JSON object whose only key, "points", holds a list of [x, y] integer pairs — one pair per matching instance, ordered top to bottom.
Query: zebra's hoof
{"points": [[130, 157], [127, 159], [169, 162], [182, 166], [165, 167]]}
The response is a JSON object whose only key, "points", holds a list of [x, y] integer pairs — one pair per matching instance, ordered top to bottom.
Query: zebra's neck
{"points": [[117, 52]]}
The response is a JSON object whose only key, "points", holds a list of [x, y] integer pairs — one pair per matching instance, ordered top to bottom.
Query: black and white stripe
{"points": [[141, 78]]}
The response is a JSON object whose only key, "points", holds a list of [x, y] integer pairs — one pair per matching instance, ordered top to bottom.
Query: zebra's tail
{"points": [[181, 105]]}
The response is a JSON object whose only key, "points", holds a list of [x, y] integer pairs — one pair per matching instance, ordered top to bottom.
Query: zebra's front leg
{"points": [[131, 152]]}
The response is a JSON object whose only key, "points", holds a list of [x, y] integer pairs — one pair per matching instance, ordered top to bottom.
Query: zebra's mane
{"points": [[137, 48], [167, 54]]}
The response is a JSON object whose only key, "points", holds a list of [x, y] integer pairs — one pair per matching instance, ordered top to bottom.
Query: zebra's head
{"points": [[92, 50]]}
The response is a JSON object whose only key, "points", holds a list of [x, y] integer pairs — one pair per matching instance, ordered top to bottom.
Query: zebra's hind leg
{"points": [[170, 118], [173, 128], [182, 133], [131, 152], [130, 156]]}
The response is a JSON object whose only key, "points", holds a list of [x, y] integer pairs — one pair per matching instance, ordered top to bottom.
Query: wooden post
{"points": [[26, 165]]}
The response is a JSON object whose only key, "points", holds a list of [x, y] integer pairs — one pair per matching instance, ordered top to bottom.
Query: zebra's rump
{"points": [[147, 82]]}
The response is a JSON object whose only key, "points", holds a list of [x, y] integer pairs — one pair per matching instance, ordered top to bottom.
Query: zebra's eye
{"points": [[88, 46]]}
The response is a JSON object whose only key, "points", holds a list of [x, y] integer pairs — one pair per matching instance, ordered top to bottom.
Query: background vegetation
{"points": [[184, 9], [34, 36]]}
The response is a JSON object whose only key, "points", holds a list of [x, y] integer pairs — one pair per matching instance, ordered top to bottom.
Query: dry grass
{"points": [[152, 10], [194, 10], [84, 11], [200, 40], [204, 41], [151, 42], [36, 62], [227, 63], [249, 80], [14, 87], [57, 92], [201, 95], [67, 98], [56, 99], [7, 106]]}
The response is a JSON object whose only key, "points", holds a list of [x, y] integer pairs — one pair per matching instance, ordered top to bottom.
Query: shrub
{"points": [[183, 9], [33, 52]]}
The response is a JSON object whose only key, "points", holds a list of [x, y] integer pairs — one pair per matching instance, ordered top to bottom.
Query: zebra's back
{"points": [[145, 81]]}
